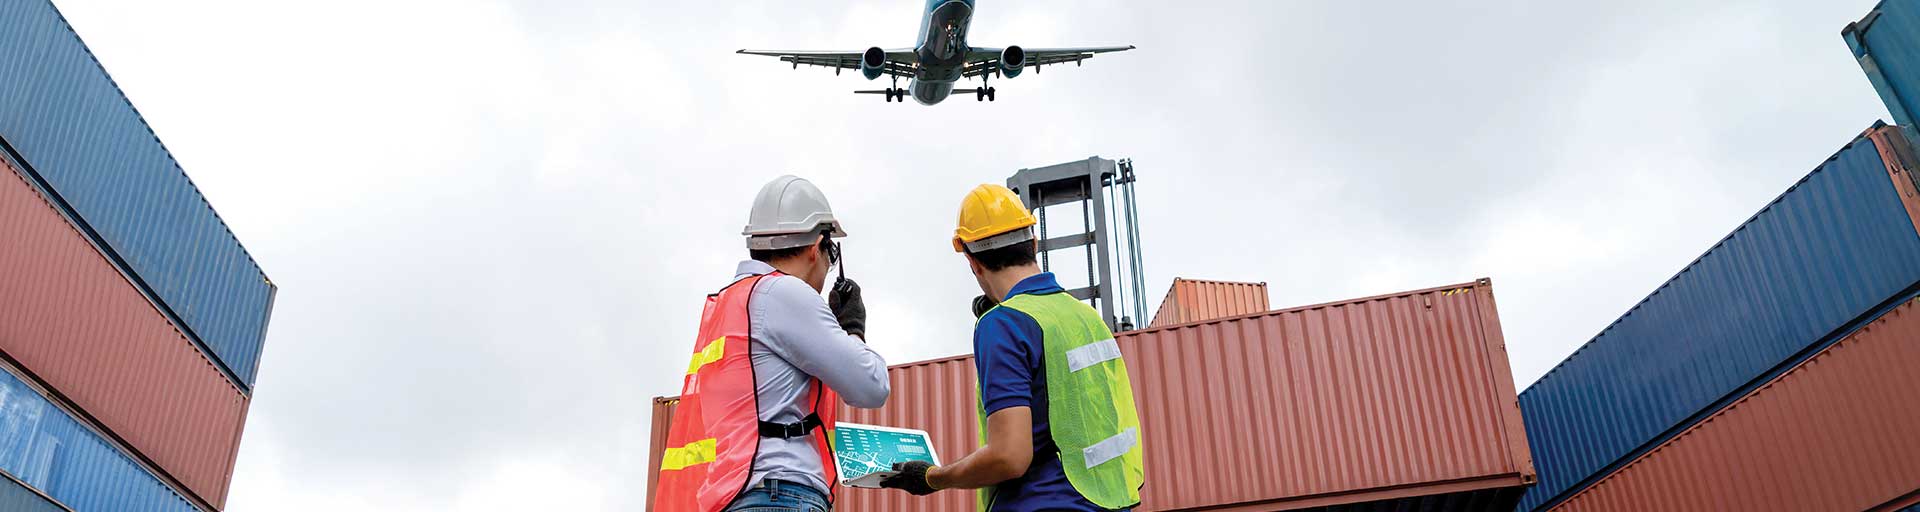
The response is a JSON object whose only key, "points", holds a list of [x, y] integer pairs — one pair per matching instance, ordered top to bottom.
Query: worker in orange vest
{"points": [[771, 364]]}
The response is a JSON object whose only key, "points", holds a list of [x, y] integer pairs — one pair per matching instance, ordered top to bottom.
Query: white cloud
{"points": [[492, 222]]}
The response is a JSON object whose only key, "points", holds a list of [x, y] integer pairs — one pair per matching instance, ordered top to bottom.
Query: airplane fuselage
{"points": [[942, 49], [939, 58]]}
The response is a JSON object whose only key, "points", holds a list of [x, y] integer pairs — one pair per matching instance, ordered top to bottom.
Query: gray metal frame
{"points": [[1104, 190]]}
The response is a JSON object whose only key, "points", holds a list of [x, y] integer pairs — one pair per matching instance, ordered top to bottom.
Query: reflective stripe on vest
{"points": [[1092, 353], [709, 355], [1090, 410], [715, 434], [697, 452]]}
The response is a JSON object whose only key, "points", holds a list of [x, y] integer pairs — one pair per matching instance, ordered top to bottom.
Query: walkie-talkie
{"points": [[840, 283]]}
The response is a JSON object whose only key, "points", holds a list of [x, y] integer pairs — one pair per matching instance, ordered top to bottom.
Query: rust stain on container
{"points": [[1898, 155], [1194, 300], [69, 318], [1382, 398], [1834, 433]]}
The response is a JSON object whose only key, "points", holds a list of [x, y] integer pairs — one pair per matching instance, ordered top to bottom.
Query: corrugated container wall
{"points": [[1887, 44], [72, 126], [1838, 243], [1193, 300], [68, 317], [938, 397], [1403, 398], [1835, 433], [47, 447], [17, 497]]}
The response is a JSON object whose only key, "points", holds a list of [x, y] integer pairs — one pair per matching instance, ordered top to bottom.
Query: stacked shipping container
{"points": [[1887, 44], [67, 120], [1817, 261], [1194, 300], [70, 318], [131, 319], [1769, 394], [1400, 400], [1832, 434], [56, 452]]}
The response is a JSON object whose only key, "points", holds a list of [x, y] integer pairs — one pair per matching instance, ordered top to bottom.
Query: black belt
{"points": [[790, 430]]}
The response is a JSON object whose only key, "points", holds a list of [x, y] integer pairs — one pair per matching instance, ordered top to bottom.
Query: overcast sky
{"points": [[493, 222]]}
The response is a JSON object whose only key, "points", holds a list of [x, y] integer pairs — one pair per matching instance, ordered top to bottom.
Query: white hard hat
{"points": [[789, 212]]}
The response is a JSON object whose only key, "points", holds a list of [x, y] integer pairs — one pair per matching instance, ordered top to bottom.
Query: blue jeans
{"points": [[780, 496]]}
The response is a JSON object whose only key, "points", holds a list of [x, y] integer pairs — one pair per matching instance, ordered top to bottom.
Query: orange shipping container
{"points": [[1193, 300], [73, 321], [1403, 398], [1834, 433]]}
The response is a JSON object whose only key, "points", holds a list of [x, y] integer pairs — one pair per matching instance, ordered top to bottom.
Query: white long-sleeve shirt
{"points": [[795, 340]]}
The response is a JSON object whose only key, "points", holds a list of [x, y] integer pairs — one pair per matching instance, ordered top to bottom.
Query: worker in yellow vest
{"points": [[771, 364], [1057, 421]]}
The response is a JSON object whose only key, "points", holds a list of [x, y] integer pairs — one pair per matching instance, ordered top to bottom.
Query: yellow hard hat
{"points": [[991, 217]]}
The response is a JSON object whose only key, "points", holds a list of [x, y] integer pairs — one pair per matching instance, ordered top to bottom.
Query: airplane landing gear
{"points": [[984, 91], [895, 93]]}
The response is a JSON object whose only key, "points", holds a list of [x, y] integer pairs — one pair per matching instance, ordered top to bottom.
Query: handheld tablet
{"points": [[866, 453]]}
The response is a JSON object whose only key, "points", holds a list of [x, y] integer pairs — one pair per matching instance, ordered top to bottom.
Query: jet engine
{"points": [[1012, 60], [873, 62]]}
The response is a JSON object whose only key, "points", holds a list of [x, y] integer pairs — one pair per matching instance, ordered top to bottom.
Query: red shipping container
{"points": [[1194, 300], [71, 320], [1404, 398], [1838, 432]]}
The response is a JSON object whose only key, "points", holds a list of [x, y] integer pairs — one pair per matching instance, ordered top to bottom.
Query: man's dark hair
{"points": [[772, 255], [1010, 256]]}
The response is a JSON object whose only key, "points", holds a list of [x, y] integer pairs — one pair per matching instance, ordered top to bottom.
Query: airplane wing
{"points": [[900, 61], [981, 61]]}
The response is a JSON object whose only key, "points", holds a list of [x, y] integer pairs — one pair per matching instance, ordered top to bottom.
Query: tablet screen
{"points": [[866, 453]]}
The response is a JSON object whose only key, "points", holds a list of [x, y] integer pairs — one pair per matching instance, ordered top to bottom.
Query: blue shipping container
{"points": [[1887, 44], [69, 123], [1832, 248], [43, 446], [16, 496]]}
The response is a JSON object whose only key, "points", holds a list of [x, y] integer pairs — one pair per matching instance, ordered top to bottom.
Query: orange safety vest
{"points": [[716, 428]]}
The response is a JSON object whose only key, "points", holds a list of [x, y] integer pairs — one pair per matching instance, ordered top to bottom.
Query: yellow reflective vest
{"points": [[1089, 402]]}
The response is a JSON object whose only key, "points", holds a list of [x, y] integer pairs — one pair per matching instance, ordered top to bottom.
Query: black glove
{"points": [[981, 304], [848, 308], [912, 478]]}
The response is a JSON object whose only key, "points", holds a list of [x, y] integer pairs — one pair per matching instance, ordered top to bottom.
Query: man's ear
{"points": [[814, 257]]}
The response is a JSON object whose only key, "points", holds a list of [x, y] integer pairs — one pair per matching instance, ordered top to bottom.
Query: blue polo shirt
{"points": [[1011, 363]]}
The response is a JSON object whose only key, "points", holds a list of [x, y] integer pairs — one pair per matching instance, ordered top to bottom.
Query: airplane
{"points": [[940, 58]]}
